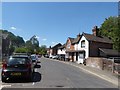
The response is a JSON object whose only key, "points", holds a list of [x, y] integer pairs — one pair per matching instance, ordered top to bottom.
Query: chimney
{"points": [[95, 31], [78, 35]]}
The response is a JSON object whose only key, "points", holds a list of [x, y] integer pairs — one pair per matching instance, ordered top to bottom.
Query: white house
{"points": [[89, 45], [83, 49], [61, 50]]}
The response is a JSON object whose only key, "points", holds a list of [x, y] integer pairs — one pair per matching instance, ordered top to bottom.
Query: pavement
{"points": [[103, 74]]}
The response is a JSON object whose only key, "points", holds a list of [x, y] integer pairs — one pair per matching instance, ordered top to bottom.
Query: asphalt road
{"points": [[54, 74]]}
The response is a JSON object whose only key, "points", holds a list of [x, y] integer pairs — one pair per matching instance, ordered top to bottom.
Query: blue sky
{"points": [[54, 22]]}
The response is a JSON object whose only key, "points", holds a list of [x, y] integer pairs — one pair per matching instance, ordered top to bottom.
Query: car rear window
{"points": [[18, 60]]}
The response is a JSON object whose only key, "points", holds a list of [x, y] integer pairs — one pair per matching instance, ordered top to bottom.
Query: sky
{"points": [[54, 22]]}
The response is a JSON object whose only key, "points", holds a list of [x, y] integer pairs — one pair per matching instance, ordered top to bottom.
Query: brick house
{"points": [[87, 45], [54, 49], [71, 50]]}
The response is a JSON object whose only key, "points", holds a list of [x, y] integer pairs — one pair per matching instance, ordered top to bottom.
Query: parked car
{"points": [[47, 56], [50, 56], [55, 57], [61, 57], [34, 58], [17, 66]]}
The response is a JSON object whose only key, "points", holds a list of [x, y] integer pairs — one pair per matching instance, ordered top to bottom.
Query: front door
{"points": [[81, 57]]}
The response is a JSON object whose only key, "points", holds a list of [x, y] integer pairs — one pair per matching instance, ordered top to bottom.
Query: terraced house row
{"points": [[89, 48]]}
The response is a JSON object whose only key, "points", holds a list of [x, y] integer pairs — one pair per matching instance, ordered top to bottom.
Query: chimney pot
{"points": [[95, 31]]}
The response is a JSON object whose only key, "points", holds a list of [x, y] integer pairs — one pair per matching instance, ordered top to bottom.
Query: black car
{"points": [[61, 57], [34, 59], [17, 66]]}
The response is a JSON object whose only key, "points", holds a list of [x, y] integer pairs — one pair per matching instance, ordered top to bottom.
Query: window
{"points": [[83, 44], [68, 45]]}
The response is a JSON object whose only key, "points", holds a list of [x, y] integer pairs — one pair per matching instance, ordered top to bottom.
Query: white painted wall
{"points": [[76, 46], [86, 49], [63, 51]]}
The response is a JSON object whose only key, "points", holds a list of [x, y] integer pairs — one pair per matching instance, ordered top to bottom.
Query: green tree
{"points": [[110, 28], [14, 41], [19, 41], [32, 45], [29, 46], [21, 50], [42, 50]]}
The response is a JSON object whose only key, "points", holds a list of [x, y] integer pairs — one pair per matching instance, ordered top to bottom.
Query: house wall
{"points": [[69, 46], [76, 46], [94, 48], [86, 49], [51, 51], [61, 51]]}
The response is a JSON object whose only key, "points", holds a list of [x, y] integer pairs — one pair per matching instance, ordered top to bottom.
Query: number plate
{"points": [[15, 74]]}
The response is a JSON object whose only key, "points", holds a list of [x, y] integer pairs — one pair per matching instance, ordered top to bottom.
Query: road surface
{"points": [[54, 74]]}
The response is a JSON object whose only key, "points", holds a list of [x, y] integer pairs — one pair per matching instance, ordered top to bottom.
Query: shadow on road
{"points": [[37, 66], [36, 77]]}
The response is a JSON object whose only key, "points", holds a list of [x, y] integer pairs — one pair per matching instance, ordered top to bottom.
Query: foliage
{"points": [[110, 28], [15, 40], [12, 42], [17, 44], [32, 45], [21, 50], [42, 50]]}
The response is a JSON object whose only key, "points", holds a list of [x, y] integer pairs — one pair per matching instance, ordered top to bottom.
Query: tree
{"points": [[110, 28], [19, 41], [12, 42], [32, 45], [29, 46], [21, 50], [42, 50]]}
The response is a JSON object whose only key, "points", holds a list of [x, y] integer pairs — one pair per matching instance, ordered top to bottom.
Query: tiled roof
{"points": [[91, 37], [71, 39], [76, 40], [57, 45], [61, 47], [110, 52]]}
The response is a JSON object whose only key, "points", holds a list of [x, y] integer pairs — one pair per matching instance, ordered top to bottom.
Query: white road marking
{"points": [[2, 86]]}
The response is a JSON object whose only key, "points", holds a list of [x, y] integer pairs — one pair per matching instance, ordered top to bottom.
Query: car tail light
{"points": [[4, 66]]}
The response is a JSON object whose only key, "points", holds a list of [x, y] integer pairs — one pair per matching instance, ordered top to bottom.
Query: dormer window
{"points": [[83, 44]]}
